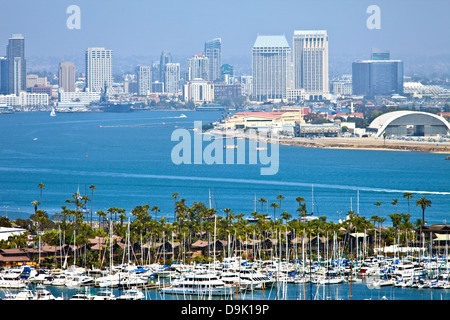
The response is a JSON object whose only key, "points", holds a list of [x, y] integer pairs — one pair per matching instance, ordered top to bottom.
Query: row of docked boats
{"points": [[233, 276]]}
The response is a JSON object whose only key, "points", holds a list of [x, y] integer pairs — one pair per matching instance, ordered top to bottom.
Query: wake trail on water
{"points": [[225, 180]]}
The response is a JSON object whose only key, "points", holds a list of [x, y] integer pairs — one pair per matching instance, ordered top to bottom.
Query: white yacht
{"points": [[233, 279], [259, 279], [199, 284], [132, 294], [83, 295], [104, 295]]}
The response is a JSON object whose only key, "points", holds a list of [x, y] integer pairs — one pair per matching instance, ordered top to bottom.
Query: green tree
{"points": [[41, 186], [423, 203]]}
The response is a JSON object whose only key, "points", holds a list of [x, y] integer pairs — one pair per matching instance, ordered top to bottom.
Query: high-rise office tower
{"points": [[213, 50], [380, 54], [166, 57], [271, 57], [310, 61], [198, 67], [17, 69], [98, 69], [3, 75], [66, 75], [379, 76], [172, 78], [144, 80]]}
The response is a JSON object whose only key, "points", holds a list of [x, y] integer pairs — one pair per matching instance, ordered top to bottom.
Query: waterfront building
{"points": [[213, 50], [166, 57], [310, 62], [270, 63], [198, 67], [17, 69], [98, 69], [3, 75], [66, 76], [377, 77], [172, 78], [144, 80], [198, 91], [83, 98], [25, 99], [264, 119], [409, 123]]}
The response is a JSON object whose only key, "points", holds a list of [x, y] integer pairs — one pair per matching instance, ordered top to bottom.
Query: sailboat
{"points": [[53, 113]]}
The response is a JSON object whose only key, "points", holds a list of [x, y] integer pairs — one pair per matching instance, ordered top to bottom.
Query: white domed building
{"points": [[409, 123]]}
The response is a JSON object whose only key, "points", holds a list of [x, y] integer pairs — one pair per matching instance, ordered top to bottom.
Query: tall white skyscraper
{"points": [[213, 50], [271, 60], [310, 61], [198, 67], [98, 69], [172, 78], [144, 80]]}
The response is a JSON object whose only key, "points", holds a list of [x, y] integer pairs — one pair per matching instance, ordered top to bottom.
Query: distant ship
{"points": [[106, 105], [116, 106], [210, 107], [53, 114]]}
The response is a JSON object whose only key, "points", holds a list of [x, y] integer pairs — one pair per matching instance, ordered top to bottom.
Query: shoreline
{"points": [[367, 143]]}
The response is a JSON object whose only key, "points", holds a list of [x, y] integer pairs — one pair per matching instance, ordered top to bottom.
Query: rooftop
{"points": [[271, 41]]}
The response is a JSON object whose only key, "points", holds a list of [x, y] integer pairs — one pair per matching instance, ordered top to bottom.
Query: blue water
{"points": [[128, 158], [359, 291]]}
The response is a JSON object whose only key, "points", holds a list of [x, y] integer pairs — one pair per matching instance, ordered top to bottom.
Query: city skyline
{"points": [[402, 24]]}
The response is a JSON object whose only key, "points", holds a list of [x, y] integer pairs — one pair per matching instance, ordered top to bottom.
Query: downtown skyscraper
{"points": [[213, 50], [165, 58], [271, 61], [310, 62], [16, 65], [198, 67], [98, 69], [66, 76], [172, 78], [144, 80]]}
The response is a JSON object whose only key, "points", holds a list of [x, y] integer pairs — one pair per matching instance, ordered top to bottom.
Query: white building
{"points": [[271, 56], [310, 62], [198, 67], [98, 69], [172, 78], [144, 80], [198, 91], [83, 98], [25, 99], [5, 233]]}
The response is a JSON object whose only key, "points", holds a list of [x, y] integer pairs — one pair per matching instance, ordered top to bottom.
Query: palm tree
{"points": [[41, 186], [92, 187], [408, 195], [280, 197], [262, 200], [35, 203], [394, 203], [423, 203], [378, 204], [274, 205], [155, 209], [286, 216]]}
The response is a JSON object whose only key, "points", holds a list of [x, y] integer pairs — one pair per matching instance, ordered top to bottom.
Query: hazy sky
{"points": [[146, 27]]}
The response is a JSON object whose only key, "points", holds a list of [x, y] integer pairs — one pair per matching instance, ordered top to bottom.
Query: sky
{"points": [[146, 27]]}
